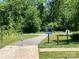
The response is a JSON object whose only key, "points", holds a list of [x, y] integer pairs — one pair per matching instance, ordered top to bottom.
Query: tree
{"points": [[68, 9], [63, 12], [18, 13], [75, 20], [33, 22]]}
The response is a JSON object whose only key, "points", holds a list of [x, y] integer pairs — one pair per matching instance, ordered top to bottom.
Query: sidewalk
{"points": [[31, 41], [26, 49], [58, 49], [19, 52]]}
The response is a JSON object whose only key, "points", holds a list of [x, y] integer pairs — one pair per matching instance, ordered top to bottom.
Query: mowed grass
{"points": [[27, 36], [14, 37], [62, 41], [52, 55]]}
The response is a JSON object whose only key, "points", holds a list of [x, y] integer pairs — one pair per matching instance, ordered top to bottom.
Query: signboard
{"points": [[48, 30]]}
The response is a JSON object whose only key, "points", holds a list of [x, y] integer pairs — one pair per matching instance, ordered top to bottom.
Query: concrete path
{"points": [[32, 41], [26, 49], [58, 49], [19, 52]]}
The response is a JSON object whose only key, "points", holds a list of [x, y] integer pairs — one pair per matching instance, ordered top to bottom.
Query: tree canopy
{"points": [[32, 15]]}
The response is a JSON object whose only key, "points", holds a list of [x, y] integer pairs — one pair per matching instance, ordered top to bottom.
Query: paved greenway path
{"points": [[32, 41], [26, 49], [19, 52]]}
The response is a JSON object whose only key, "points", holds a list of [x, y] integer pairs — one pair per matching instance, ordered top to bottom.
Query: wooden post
{"points": [[67, 37], [48, 38], [57, 40]]}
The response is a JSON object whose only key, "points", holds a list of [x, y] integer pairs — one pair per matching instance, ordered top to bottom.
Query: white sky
{"points": [[1, 0]]}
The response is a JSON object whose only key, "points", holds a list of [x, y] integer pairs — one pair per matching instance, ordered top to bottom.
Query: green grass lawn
{"points": [[27, 36], [13, 38], [62, 42], [51, 55]]}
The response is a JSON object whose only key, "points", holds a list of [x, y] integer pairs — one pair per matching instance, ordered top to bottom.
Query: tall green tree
{"points": [[68, 10], [64, 12]]}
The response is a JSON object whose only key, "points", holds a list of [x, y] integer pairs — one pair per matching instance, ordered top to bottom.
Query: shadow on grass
{"points": [[66, 42]]}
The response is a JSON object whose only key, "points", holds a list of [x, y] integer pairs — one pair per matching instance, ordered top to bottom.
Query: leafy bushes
{"points": [[20, 15], [32, 22], [31, 26], [57, 26], [9, 36], [75, 36]]}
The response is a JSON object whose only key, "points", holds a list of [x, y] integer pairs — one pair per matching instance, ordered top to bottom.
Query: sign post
{"points": [[48, 31]]}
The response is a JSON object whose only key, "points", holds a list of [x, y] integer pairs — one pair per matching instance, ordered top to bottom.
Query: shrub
{"points": [[32, 22], [31, 26], [57, 27], [75, 36]]}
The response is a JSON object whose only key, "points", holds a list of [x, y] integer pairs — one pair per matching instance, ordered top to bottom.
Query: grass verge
{"points": [[62, 42], [52, 55]]}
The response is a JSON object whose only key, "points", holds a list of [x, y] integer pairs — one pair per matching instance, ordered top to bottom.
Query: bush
{"points": [[32, 22], [32, 26], [57, 27], [75, 36]]}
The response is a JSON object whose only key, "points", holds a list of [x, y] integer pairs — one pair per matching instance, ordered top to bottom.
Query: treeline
{"points": [[64, 14], [34, 15]]}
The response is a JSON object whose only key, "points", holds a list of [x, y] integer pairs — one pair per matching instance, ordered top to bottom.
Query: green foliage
{"points": [[68, 10], [42, 12], [65, 12], [18, 13], [12, 14], [25, 14], [33, 22], [54, 25], [8, 36], [75, 36], [62, 41], [59, 55]]}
